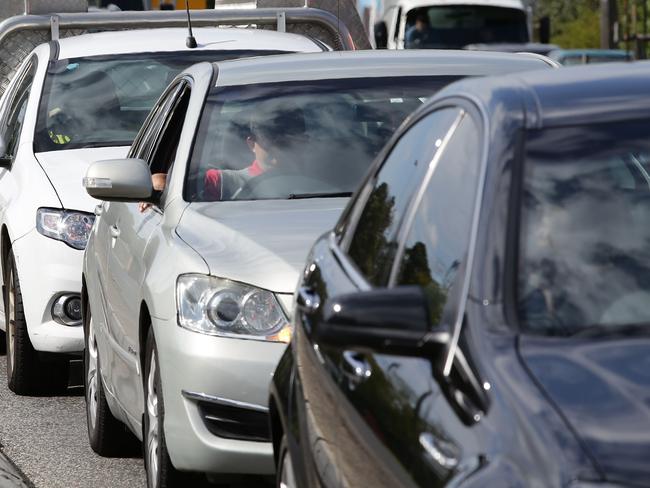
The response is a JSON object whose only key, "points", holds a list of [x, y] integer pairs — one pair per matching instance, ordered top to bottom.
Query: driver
{"points": [[271, 140]]}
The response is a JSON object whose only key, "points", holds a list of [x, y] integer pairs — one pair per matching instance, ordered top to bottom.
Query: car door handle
{"points": [[99, 209], [115, 231], [307, 299], [355, 368]]}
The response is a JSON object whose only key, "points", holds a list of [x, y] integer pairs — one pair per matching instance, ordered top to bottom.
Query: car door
{"points": [[11, 125], [130, 229], [361, 258]]}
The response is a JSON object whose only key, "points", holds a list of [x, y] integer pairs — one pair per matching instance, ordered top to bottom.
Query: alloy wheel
{"points": [[11, 325], [92, 376], [152, 417]]}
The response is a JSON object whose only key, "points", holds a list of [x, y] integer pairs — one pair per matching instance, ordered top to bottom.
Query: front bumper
{"points": [[46, 269], [235, 370]]}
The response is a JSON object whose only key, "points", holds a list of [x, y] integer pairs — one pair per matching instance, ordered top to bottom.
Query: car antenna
{"points": [[190, 42]]}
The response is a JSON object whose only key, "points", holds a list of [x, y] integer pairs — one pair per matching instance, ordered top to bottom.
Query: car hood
{"points": [[66, 169], [263, 243], [602, 388]]}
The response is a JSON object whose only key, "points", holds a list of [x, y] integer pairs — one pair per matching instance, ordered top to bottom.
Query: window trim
{"points": [[31, 65]]}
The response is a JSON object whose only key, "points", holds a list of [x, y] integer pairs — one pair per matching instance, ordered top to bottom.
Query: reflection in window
{"points": [[439, 236], [585, 240], [374, 244]]}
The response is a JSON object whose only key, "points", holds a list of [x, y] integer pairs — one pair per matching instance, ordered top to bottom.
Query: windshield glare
{"points": [[454, 27], [102, 101], [300, 139], [585, 240]]}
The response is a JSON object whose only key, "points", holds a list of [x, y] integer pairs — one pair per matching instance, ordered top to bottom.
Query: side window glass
{"points": [[12, 128], [164, 151], [438, 238], [374, 240]]}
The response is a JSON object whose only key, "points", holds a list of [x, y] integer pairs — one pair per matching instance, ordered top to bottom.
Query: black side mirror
{"points": [[381, 35], [389, 320]]}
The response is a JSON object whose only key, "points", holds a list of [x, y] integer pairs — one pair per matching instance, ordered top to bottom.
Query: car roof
{"points": [[409, 4], [173, 39], [373, 63], [567, 96]]}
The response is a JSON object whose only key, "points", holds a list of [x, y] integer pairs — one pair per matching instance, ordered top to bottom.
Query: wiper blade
{"points": [[301, 196], [629, 330]]}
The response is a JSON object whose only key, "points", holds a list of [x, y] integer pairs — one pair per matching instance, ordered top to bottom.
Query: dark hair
{"points": [[279, 126]]}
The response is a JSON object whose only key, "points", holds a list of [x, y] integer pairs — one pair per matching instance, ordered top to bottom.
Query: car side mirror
{"points": [[381, 35], [5, 159], [119, 180], [388, 320]]}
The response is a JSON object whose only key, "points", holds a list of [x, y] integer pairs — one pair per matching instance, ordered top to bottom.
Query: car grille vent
{"points": [[232, 422]]}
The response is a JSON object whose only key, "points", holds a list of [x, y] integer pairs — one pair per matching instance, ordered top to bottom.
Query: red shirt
{"points": [[212, 181]]}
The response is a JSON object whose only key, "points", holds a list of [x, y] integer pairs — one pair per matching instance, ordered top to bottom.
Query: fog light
{"points": [[67, 310]]}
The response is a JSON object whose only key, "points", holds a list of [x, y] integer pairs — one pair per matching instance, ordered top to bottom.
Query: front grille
{"points": [[232, 422]]}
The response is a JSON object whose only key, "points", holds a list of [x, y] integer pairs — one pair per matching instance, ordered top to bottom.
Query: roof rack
{"points": [[21, 33]]}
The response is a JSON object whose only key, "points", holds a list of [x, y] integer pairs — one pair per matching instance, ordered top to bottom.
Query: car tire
{"points": [[23, 365], [108, 436], [160, 470], [285, 475]]}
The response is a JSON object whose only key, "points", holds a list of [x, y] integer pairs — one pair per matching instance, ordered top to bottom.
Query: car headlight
{"points": [[69, 226], [222, 307]]}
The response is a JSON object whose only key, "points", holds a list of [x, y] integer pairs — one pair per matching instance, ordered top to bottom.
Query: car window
{"points": [[102, 101], [12, 128], [298, 139], [166, 144], [439, 230], [374, 239], [584, 254]]}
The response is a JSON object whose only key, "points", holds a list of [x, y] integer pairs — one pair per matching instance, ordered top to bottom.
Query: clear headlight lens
{"points": [[68, 226], [222, 307]]}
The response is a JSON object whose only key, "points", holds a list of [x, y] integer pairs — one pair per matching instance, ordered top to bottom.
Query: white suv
{"points": [[72, 102]]}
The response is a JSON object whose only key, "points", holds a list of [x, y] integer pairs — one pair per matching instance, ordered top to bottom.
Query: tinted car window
{"points": [[12, 129], [299, 139], [439, 235], [585, 239], [374, 241]]}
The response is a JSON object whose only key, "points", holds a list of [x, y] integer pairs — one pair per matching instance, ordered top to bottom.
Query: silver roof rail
{"points": [[103, 21], [21, 33]]}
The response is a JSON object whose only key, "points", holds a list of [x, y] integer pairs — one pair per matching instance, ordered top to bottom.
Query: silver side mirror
{"points": [[119, 180]]}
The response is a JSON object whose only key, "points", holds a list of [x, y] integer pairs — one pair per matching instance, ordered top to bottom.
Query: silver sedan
{"points": [[191, 265]]}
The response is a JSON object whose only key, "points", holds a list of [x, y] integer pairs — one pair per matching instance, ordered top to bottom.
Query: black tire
{"points": [[23, 364], [27, 373], [108, 436], [285, 475], [166, 476]]}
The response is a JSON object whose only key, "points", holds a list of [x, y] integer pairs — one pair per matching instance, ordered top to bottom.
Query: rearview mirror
{"points": [[381, 35], [120, 180], [389, 320]]}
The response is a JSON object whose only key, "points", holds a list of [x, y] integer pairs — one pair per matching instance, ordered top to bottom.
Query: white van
{"points": [[450, 24]]}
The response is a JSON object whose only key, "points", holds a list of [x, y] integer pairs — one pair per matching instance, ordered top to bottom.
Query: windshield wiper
{"points": [[301, 196], [630, 330]]}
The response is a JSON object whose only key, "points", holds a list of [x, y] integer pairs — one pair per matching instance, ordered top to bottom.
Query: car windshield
{"points": [[453, 27], [102, 101], [302, 139], [584, 257]]}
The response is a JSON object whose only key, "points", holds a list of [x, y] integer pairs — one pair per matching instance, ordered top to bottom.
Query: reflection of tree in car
{"points": [[372, 251], [415, 271]]}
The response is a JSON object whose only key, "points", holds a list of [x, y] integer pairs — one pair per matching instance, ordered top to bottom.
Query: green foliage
{"points": [[581, 32]]}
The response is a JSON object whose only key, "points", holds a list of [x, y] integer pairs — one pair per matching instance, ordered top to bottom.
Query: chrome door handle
{"points": [[99, 209], [115, 231], [307, 299], [355, 368]]}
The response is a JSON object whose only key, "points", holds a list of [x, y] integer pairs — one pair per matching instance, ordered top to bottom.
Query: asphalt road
{"points": [[46, 439]]}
